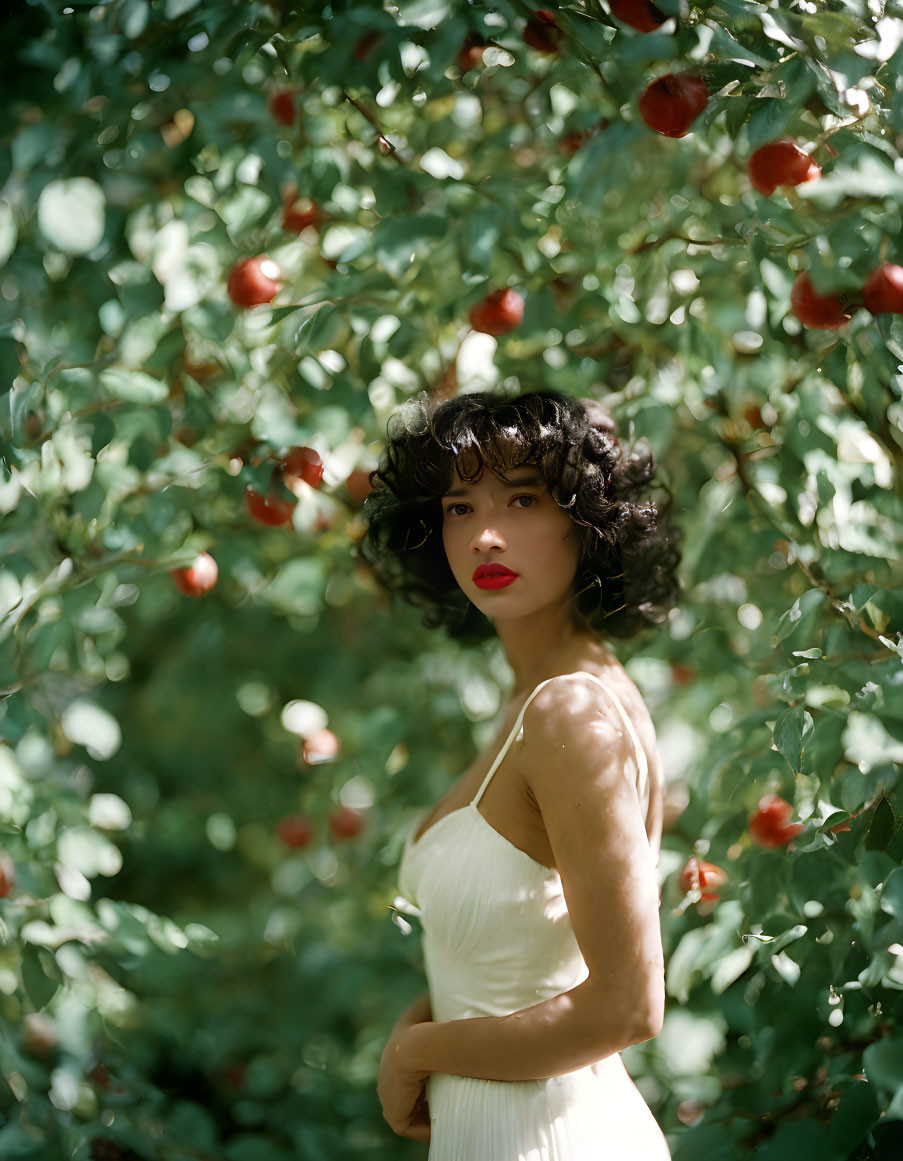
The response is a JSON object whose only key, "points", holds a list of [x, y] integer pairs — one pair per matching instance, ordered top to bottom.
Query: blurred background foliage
{"points": [[185, 975]]}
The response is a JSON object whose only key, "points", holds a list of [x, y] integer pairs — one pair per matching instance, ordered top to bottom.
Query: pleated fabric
{"points": [[497, 938]]}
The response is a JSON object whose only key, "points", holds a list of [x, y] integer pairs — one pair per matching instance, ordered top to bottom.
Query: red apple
{"points": [[639, 14], [542, 31], [366, 42], [470, 55], [670, 104], [282, 106], [572, 141], [780, 163], [298, 215], [254, 281], [883, 290], [499, 312], [822, 312], [302, 463], [358, 485], [270, 509], [198, 579], [322, 746], [345, 823], [769, 824], [295, 830], [7, 874], [701, 876], [40, 1036], [103, 1149]]}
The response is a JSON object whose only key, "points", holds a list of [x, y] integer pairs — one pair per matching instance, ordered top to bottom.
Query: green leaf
{"points": [[71, 214], [8, 232], [399, 243], [135, 386], [801, 615], [791, 731], [882, 825], [892, 895], [731, 967], [41, 975], [883, 1064], [855, 1115]]}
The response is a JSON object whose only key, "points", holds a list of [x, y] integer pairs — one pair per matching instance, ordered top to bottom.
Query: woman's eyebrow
{"points": [[524, 482]]}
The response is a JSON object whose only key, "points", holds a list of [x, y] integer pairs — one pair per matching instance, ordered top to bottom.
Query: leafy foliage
{"points": [[174, 981]]}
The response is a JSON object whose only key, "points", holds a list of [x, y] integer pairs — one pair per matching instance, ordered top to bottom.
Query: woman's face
{"points": [[517, 525]]}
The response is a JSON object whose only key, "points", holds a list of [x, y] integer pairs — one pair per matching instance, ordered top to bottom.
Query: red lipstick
{"points": [[493, 576]]}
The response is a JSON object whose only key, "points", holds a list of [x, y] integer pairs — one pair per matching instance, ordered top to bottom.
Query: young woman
{"points": [[534, 876]]}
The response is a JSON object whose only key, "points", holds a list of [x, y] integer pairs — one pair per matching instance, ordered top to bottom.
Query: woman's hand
{"points": [[400, 1086]]}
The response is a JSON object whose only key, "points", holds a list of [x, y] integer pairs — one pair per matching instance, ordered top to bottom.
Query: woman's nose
{"points": [[486, 536]]}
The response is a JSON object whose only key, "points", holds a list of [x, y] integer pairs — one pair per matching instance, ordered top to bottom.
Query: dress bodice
{"points": [[496, 932]]}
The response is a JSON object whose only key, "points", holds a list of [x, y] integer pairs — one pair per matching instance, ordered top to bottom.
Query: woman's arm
{"points": [[574, 759], [416, 1013], [548, 1039]]}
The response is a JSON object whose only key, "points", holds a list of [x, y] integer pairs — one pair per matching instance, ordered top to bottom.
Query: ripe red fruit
{"points": [[639, 14], [542, 31], [366, 42], [470, 55], [670, 104], [282, 106], [572, 141], [780, 163], [297, 216], [254, 281], [883, 290], [821, 311], [499, 312], [302, 463], [358, 485], [268, 509], [196, 580], [322, 746], [345, 823], [768, 823], [295, 830], [7, 874], [698, 875], [103, 1149]]}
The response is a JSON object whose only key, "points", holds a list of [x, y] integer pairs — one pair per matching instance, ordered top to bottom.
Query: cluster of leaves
{"points": [[174, 982]]}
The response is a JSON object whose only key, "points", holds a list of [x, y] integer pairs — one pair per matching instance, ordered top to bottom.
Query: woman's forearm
{"points": [[421, 1009], [556, 1036]]}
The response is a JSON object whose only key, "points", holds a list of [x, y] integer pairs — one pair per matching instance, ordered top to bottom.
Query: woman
{"points": [[534, 876]]}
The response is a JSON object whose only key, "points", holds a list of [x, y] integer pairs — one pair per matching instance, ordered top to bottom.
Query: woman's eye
{"points": [[450, 510]]}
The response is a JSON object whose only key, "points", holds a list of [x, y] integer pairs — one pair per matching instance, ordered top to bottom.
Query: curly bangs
{"points": [[626, 577]]}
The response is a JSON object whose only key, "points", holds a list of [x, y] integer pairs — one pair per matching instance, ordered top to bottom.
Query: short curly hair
{"points": [[626, 576]]}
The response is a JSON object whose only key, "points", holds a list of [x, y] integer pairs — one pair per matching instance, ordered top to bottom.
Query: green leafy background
{"points": [[175, 983]]}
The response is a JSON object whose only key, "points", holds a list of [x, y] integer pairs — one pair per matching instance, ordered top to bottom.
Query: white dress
{"points": [[497, 938]]}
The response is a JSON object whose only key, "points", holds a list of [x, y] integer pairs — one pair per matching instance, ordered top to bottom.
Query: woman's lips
{"points": [[495, 578], [498, 581]]}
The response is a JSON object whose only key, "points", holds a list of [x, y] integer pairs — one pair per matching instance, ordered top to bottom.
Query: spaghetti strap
{"points": [[514, 732], [642, 765]]}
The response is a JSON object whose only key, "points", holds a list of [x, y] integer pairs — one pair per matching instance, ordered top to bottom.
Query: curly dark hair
{"points": [[626, 576]]}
